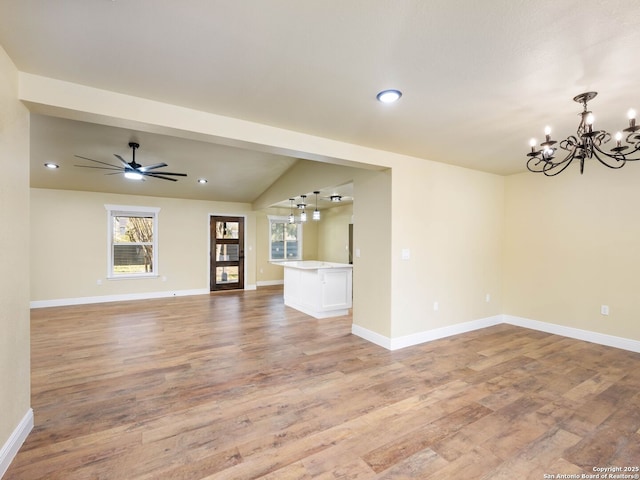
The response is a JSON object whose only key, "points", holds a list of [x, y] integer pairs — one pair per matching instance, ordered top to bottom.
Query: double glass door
{"points": [[227, 253]]}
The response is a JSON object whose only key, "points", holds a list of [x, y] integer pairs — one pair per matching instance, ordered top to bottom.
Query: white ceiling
{"points": [[479, 78]]}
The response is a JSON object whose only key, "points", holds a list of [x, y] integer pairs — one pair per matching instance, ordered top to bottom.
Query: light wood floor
{"points": [[237, 386]]}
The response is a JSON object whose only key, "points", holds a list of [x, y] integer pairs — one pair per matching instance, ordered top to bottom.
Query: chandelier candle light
{"points": [[587, 143]]}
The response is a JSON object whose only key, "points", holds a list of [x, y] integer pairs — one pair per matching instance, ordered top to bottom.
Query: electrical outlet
{"points": [[487, 298], [435, 306], [604, 309]]}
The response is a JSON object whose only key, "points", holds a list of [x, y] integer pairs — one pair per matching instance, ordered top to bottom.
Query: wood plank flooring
{"points": [[237, 386]]}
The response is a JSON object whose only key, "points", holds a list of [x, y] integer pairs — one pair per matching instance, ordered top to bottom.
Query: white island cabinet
{"points": [[319, 289]]}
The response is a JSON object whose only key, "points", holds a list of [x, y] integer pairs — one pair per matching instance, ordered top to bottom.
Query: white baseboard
{"points": [[250, 287], [60, 302], [443, 332], [437, 333], [578, 334], [371, 336], [426, 336], [10, 449]]}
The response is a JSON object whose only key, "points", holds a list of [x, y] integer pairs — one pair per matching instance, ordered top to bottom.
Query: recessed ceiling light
{"points": [[389, 96], [51, 165], [202, 180]]}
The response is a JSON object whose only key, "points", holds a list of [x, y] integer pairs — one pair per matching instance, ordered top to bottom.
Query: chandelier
{"points": [[587, 143]]}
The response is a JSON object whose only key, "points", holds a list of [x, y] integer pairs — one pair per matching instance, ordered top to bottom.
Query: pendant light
{"points": [[302, 205], [316, 212], [292, 218]]}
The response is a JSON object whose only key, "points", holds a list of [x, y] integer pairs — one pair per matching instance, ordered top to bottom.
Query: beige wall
{"points": [[451, 221], [333, 234], [69, 235], [573, 244], [14, 259], [267, 272], [372, 286]]}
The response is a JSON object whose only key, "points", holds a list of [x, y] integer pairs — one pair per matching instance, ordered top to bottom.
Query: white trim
{"points": [[268, 283], [250, 287], [59, 302], [442, 332], [437, 333], [578, 334], [371, 336], [426, 336], [10, 449]]}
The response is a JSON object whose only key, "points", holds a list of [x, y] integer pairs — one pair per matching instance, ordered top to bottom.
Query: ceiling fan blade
{"points": [[97, 161], [124, 162], [151, 167], [119, 169], [165, 173], [155, 175]]}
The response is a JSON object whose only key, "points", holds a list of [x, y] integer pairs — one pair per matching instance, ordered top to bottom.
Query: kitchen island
{"points": [[320, 289]]}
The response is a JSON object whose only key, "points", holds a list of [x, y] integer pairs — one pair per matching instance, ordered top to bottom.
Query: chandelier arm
{"points": [[633, 139], [570, 143], [621, 159], [533, 164], [538, 164], [553, 169]]}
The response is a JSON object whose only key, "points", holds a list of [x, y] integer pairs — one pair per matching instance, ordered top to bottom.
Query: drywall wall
{"points": [[449, 222], [333, 233], [372, 236], [69, 244], [571, 246], [14, 258]]}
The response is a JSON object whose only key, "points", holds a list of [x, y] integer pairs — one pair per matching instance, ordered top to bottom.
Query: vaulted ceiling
{"points": [[479, 79]]}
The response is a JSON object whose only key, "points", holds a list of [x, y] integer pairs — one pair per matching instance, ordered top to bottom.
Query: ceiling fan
{"points": [[132, 169]]}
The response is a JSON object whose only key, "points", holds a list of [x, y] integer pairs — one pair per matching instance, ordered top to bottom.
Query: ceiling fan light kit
{"points": [[587, 143], [133, 170]]}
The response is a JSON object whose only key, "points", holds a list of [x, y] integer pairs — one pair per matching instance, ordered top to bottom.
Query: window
{"points": [[285, 239], [132, 241]]}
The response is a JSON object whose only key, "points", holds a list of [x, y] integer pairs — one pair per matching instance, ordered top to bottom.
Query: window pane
{"points": [[132, 229], [227, 229], [277, 241], [285, 241], [291, 241], [292, 249], [132, 251], [227, 253], [128, 259], [226, 275]]}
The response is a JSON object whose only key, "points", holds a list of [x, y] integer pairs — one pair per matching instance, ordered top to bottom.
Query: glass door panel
{"points": [[227, 253]]}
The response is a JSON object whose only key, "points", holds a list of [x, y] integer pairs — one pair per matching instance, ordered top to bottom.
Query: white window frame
{"points": [[131, 211], [285, 220]]}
